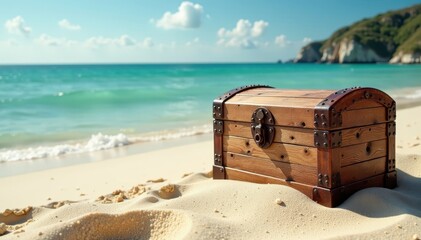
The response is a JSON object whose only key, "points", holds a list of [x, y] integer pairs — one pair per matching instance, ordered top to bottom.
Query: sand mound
{"points": [[198, 207], [201, 208], [144, 224]]}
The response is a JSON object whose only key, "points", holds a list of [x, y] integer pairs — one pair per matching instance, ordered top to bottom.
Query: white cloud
{"points": [[189, 15], [65, 24], [17, 25], [258, 28], [244, 34], [46, 40], [307, 40], [123, 41], [282, 41], [147, 42], [193, 42]]}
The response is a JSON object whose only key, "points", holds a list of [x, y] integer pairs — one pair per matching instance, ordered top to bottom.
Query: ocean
{"points": [[52, 110]]}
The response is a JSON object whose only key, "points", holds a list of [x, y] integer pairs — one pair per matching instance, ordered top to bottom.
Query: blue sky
{"points": [[151, 31]]}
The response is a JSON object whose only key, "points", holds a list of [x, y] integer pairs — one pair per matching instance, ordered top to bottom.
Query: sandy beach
{"points": [[169, 194]]}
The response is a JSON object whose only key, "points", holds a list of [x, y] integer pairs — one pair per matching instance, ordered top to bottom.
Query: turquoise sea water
{"points": [[45, 106]]}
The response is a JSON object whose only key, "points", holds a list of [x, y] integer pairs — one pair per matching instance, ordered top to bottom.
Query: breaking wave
{"points": [[97, 142]]}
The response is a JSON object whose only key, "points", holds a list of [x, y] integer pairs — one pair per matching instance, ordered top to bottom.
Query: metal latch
{"points": [[262, 127]]}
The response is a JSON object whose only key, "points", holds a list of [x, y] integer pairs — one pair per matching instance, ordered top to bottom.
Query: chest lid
{"points": [[316, 109]]}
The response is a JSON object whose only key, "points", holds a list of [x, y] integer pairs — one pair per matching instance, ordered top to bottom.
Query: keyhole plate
{"points": [[264, 134]]}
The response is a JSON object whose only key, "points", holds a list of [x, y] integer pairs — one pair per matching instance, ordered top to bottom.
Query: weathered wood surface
{"points": [[303, 93], [289, 102], [364, 104], [284, 116], [362, 117], [358, 135], [300, 136], [305, 136], [362, 152], [288, 153], [328, 164], [265, 166], [360, 171], [240, 175], [324, 196], [334, 197]]}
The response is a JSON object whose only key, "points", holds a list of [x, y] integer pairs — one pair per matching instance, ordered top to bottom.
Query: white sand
{"points": [[197, 207]]}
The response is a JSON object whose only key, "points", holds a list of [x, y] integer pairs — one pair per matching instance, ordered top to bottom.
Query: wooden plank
{"points": [[303, 93], [274, 101], [364, 104], [284, 116], [362, 117], [363, 134], [301, 136], [217, 148], [277, 151], [362, 152], [265, 166], [327, 168], [359, 171], [235, 174], [323, 196], [334, 197]]}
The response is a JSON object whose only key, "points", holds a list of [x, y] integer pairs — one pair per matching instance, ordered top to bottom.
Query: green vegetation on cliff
{"points": [[386, 34]]}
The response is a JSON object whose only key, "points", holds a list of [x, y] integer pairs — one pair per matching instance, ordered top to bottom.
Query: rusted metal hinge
{"points": [[391, 112], [322, 120], [218, 127], [391, 129], [327, 139], [218, 159], [218, 172], [390, 180], [324, 181]]}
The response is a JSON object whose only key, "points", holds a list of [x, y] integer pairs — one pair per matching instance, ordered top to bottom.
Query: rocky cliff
{"points": [[393, 37]]}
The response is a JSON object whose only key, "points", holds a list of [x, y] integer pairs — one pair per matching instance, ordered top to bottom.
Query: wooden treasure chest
{"points": [[327, 144]]}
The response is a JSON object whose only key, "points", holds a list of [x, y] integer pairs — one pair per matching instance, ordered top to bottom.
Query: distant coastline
{"points": [[393, 37]]}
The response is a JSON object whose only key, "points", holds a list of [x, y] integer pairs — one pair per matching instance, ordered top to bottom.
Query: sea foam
{"points": [[96, 142]]}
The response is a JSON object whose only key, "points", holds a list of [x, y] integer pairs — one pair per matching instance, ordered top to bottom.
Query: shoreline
{"points": [[170, 138], [13, 168], [182, 201]]}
